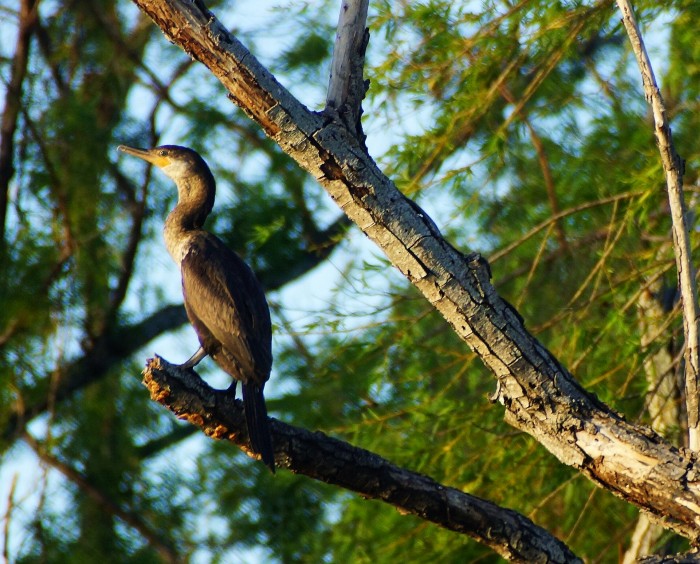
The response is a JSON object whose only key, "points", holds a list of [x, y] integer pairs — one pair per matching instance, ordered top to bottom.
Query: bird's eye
{"points": [[163, 153]]}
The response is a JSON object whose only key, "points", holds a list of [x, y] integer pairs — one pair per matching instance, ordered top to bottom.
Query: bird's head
{"points": [[175, 161]]}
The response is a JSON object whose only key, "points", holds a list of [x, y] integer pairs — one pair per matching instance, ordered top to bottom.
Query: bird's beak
{"points": [[148, 155]]}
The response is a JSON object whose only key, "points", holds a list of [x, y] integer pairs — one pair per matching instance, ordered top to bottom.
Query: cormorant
{"points": [[225, 303]]}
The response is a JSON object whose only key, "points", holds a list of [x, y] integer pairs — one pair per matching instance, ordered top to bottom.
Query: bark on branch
{"points": [[347, 87], [538, 394], [318, 456]]}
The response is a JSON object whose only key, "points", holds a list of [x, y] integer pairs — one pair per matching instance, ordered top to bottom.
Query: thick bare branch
{"points": [[347, 87], [673, 165], [539, 395], [220, 416]]}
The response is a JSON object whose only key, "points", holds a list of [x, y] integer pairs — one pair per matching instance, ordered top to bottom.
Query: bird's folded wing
{"points": [[222, 292]]}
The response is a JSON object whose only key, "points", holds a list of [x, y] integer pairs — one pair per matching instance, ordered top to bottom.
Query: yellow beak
{"points": [[148, 155]]}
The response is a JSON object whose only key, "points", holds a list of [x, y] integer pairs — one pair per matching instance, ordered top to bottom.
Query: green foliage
{"points": [[521, 129]]}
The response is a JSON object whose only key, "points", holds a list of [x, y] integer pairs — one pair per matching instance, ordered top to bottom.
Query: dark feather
{"points": [[227, 308]]}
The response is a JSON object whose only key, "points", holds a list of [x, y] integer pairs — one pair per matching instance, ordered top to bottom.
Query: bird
{"points": [[225, 303]]}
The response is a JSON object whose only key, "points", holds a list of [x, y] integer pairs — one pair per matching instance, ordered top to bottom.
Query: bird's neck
{"points": [[195, 201]]}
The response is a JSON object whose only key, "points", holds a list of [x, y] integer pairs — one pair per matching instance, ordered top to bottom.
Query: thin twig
{"points": [[673, 166], [547, 176], [499, 254], [8, 519]]}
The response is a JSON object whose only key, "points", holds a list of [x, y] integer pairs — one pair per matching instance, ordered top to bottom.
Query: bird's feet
{"points": [[195, 359]]}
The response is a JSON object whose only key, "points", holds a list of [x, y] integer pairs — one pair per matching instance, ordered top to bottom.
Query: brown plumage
{"points": [[224, 301]]}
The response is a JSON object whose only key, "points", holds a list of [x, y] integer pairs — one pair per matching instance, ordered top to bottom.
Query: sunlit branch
{"points": [[346, 87], [673, 167]]}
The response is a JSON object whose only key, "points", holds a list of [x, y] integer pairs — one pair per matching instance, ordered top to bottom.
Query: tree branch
{"points": [[28, 12], [347, 88], [673, 166], [546, 169], [91, 367], [538, 394], [329, 460], [8, 518], [133, 519], [690, 557]]}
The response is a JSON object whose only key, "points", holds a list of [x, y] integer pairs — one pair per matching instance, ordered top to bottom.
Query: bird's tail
{"points": [[258, 423]]}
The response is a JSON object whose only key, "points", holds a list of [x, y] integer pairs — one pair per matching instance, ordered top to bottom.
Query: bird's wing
{"points": [[224, 295]]}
